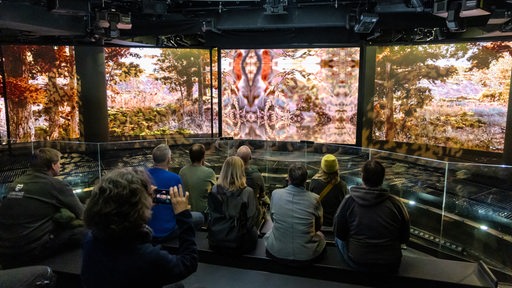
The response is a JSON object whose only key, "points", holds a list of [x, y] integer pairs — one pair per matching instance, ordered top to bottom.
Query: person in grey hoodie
{"points": [[371, 224]]}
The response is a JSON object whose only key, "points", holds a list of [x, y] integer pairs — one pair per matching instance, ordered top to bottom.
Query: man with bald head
{"points": [[254, 180]]}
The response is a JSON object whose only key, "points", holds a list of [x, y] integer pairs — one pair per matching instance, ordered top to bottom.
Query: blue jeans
{"points": [[342, 248]]}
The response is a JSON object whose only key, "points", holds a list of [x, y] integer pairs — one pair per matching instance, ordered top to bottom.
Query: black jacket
{"points": [[331, 200], [27, 211], [374, 224], [135, 262]]}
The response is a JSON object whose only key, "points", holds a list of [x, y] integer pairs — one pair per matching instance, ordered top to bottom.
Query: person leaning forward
{"points": [[29, 230]]}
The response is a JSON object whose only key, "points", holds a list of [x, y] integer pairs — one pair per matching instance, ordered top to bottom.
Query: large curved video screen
{"points": [[160, 91], [42, 93], [290, 94], [451, 95], [3, 123]]}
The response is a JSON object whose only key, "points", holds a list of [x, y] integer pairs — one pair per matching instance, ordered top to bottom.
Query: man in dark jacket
{"points": [[255, 181], [371, 224], [29, 231]]}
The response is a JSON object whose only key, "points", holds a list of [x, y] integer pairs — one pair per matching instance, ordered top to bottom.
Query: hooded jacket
{"points": [[373, 224]]}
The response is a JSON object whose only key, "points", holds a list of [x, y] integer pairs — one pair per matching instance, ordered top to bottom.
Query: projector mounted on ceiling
{"points": [[366, 23]]}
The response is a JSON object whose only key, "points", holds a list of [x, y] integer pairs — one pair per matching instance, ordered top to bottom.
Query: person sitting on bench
{"points": [[371, 224], [118, 251]]}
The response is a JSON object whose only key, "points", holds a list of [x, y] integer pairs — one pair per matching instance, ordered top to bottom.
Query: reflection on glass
{"points": [[461, 209]]}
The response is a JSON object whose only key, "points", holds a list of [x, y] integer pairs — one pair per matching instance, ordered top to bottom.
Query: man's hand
{"points": [[179, 202]]}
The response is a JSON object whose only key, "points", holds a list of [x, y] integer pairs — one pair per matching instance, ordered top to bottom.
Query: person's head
{"points": [[244, 152], [196, 153], [161, 154], [47, 159], [329, 164], [329, 169], [373, 173], [232, 174], [297, 175], [120, 204]]}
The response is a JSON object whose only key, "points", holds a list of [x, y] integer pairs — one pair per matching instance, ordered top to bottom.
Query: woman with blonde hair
{"points": [[328, 185], [232, 211]]}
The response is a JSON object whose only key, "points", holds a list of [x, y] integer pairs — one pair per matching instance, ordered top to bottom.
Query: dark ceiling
{"points": [[243, 23]]}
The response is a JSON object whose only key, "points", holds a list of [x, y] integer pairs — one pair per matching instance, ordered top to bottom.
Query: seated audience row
{"points": [[40, 216]]}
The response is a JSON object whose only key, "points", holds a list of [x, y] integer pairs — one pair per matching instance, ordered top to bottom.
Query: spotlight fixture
{"points": [[468, 8], [461, 13], [105, 19], [453, 21], [108, 23], [366, 23]]}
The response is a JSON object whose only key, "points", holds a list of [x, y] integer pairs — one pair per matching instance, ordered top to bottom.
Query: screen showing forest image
{"points": [[153, 91], [42, 94], [290, 94], [451, 95], [3, 124]]}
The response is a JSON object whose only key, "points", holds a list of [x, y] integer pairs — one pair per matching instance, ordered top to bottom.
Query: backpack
{"points": [[228, 227]]}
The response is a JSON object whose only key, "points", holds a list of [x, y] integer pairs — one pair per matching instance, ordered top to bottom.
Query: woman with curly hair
{"points": [[118, 250]]}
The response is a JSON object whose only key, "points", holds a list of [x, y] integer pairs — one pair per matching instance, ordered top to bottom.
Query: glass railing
{"points": [[462, 209]]}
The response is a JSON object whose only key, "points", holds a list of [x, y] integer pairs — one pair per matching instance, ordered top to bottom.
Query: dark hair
{"points": [[196, 152], [44, 158], [373, 173], [297, 174], [120, 204]]}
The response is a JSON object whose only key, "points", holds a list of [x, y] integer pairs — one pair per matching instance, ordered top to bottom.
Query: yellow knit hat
{"points": [[329, 163]]}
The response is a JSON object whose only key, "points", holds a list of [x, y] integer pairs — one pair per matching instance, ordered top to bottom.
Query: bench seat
{"points": [[415, 271]]}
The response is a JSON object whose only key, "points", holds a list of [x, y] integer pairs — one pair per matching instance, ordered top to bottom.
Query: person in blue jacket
{"points": [[162, 221], [118, 251]]}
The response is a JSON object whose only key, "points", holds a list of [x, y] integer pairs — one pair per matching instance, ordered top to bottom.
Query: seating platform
{"points": [[415, 271]]}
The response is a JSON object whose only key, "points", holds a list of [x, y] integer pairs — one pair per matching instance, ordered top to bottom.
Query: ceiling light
{"points": [[453, 21]]}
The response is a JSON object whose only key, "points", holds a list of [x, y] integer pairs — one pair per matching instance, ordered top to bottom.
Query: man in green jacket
{"points": [[198, 179], [31, 226]]}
